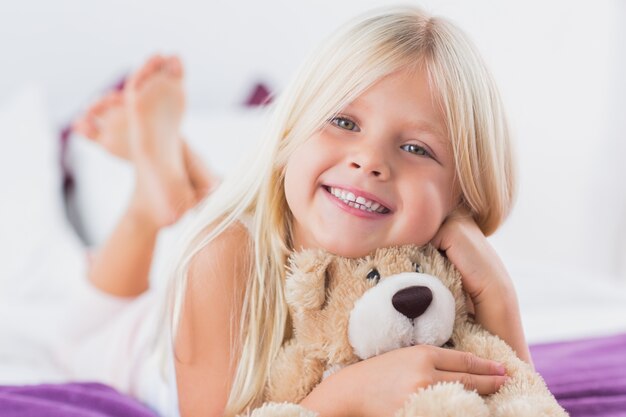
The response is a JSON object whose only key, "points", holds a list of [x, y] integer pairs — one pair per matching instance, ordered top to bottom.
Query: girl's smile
{"points": [[378, 174], [357, 202]]}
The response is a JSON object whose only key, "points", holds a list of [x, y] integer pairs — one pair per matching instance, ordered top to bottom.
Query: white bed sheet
{"points": [[561, 303]]}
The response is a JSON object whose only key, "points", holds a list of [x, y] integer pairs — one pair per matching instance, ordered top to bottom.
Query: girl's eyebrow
{"points": [[424, 126]]}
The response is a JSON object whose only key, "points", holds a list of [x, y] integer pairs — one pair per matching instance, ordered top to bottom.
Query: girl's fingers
{"points": [[465, 362], [484, 384]]}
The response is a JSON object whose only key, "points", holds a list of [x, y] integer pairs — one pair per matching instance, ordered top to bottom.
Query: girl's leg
{"points": [[142, 124]]}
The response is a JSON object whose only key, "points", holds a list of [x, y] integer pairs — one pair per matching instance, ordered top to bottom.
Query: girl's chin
{"points": [[343, 248], [349, 249]]}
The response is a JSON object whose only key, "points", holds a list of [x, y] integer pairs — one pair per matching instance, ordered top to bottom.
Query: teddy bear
{"points": [[346, 310]]}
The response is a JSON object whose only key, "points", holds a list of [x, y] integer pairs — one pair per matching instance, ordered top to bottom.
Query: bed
{"points": [[577, 330], [587, 377]]}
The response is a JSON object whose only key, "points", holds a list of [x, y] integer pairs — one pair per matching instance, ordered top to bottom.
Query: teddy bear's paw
{"points": [[444, 400], [527, 406], [282, 410]]}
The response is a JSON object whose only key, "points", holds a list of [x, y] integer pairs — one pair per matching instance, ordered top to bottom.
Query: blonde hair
{"points": [[342, 68]]}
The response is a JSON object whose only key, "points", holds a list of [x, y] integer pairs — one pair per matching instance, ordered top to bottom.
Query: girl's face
{"points": [[379, 174]]}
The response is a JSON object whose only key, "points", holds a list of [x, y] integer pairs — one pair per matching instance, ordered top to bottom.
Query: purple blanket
{"points": [[587, 377], [68, 400]]}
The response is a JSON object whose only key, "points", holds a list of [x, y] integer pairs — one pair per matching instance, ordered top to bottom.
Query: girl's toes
{"points": [[152, 65], [174, 67], [117, 98], [110, 99], [107, 100], [110, 102], [96, 111], [87, 124], [85, 127]]}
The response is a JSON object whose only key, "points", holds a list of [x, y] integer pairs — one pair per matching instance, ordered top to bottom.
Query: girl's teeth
{"points": [[357, 202]]}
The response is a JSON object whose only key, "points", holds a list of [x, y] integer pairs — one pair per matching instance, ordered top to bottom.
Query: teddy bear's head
{"points": [[353, 309]]}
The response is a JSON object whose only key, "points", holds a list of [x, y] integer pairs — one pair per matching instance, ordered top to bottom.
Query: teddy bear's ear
{"points": [[440, 266], [307, 279]]}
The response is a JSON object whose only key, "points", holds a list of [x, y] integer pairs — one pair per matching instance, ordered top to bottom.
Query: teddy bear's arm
{"points": [[294, 374], [525, 393]]}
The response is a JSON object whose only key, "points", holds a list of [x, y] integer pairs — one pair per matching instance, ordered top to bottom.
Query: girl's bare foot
{"points": [[155, 104], [155, 107], [106, 122]]}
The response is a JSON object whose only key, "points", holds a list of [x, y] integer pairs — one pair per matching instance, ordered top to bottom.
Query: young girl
{"points": [[391, 133]]}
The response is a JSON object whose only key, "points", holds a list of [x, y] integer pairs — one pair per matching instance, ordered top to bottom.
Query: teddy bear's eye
{"points": [[416, 267], [374, 274]]}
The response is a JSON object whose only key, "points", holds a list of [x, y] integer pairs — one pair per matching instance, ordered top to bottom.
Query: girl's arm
{"points": [[485, 279], [204, 356], [380, 386]]}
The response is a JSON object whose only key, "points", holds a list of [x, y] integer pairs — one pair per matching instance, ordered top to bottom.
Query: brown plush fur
{"points": [[321, 290]]}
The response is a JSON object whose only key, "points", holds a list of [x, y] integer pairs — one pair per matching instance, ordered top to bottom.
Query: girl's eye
{"points": [[345, 123], [415, 149], [373, 275]]}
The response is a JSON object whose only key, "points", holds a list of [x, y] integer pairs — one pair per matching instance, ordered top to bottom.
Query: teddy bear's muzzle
{"points": [[412, 301], [404, 309]]}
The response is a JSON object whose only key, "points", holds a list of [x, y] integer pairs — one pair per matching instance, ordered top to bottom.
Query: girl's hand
{"points": [[466, 246], [485, 279], [380, 386]]}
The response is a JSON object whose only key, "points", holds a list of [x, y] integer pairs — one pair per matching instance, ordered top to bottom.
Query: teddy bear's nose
{"points": [[412, 301]]}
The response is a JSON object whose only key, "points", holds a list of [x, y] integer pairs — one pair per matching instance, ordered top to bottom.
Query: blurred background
{"points": [[560, 66]]}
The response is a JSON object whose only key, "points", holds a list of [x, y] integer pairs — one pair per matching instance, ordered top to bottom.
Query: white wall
{"points": [[559, 65], [612, 166]]}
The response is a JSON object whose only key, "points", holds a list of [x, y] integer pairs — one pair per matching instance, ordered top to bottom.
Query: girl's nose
{"points": [[371, 162]]}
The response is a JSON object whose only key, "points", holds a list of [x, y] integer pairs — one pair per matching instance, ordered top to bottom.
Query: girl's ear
{"points": [[305, 287]]}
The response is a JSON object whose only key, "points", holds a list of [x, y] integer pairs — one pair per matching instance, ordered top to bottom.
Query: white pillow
{"points": [[30, 181], [103, 183]]}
